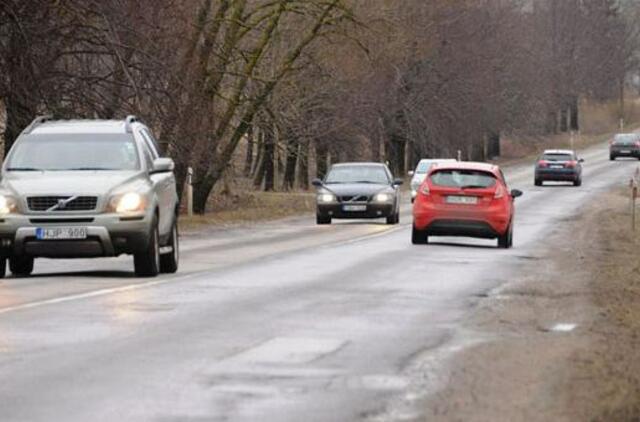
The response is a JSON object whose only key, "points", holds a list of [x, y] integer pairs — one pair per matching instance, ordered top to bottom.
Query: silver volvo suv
{"points": [[88, 188]]}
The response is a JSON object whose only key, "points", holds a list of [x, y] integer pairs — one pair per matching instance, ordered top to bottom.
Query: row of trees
{"points": [[300, 83]]}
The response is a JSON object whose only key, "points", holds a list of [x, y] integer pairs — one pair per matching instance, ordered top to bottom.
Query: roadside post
{"points": [[459, 155], [633, 185], [189, 192]]}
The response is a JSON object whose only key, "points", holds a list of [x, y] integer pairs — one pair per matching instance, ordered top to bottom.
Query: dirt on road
{"points": [[564, 338]]}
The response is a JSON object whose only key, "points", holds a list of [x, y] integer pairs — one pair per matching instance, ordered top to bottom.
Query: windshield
{"points": [[629, 139], [74, 152], [557, 157], [358, 174], [463, 179]]}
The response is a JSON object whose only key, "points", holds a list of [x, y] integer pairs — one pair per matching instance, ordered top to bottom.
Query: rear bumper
{"points": [[625, 152], [557, 174], [336, 210], [441, 220], [107, 235]]}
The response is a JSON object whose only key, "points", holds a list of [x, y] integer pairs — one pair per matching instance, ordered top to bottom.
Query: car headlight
{"points": [[383, 197], [326, 198], [128, 202], [7, 205]]}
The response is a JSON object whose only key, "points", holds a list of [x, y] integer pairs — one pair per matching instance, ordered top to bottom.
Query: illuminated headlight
{"points": [[383, 197], [326, 198], [129, 202], [7, 205]]}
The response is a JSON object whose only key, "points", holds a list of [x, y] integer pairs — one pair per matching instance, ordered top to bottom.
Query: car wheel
{"points": [[612, 157], [537, 182], [577, 182], [393, 218], [323, 220], [419, 237], [506, 240], [169, 261], [147, 263], [21, 265], [3, 267]]}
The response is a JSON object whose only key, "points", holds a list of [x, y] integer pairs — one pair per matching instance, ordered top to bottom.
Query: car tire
{"points": [[612, 157], [537, 182], [577, 182], [413, 200], [394, 218], [323, 220], [419, 237], [506, 240], [169, 261], [147, 263], [21, 265], [3, 267]]}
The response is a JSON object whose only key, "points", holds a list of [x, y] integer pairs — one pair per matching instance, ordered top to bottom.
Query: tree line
{"points": [[298, 84]]}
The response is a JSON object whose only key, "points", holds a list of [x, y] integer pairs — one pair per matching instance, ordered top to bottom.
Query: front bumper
{"points": [[563, 174], [373, 210], [107, 235]]}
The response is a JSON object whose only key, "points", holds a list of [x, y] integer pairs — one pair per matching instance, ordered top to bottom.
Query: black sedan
{"points": [[625, 145], [358, 190]]}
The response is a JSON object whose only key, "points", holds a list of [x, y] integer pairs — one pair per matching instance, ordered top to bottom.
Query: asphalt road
{"points": [[286, 321]]}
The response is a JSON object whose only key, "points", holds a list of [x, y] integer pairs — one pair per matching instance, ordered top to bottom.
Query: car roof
{"points": [[82, 126], [558, 151], [436, 160], [466, 165]]}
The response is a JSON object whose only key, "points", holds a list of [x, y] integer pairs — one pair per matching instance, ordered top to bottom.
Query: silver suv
{"points": [[88, 188]]}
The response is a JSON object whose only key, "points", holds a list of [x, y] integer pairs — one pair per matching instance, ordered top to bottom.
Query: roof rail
{"points": [[128, 120], [37, 122]]}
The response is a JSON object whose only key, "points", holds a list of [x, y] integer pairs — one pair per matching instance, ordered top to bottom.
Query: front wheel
{"points": [[394, 218], [323, 220], [169, 261], [147, 263], [21, 265], [3, 267]]}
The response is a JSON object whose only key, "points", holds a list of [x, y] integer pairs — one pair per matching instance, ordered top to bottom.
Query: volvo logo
{"points": [[62, 203]]}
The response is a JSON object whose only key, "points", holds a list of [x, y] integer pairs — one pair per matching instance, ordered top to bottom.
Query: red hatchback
{"points": [[464, 199]]}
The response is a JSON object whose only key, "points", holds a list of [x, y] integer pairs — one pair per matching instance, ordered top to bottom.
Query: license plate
{"points": [[625, 151], [557, 166], [462, 200], [354, 208], [61, 233]]}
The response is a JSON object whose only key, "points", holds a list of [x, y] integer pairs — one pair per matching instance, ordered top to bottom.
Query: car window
{"points": [[151, 143], [61, 152], [148, 156], [557, 157], [424, 167], [358, 174], [462, 179]]}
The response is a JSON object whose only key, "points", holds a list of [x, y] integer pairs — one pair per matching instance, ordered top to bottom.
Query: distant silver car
{"points": [[420, 173], [88, 188]]}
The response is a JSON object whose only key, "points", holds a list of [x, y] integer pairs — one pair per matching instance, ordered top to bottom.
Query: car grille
{"points": [[354, 198], [79, 203]]}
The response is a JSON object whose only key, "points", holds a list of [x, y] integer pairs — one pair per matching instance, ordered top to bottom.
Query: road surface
{"points": [[285, 321]]}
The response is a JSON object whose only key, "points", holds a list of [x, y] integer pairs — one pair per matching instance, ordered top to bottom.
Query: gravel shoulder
{"points": [[562, 340]]}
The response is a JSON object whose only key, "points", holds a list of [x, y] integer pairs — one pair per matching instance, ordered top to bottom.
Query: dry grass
{"points": [[251, 206]]}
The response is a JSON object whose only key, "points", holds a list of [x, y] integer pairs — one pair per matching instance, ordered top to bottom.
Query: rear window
{"points": [[629, 139], [557, 157], [463, 179]]}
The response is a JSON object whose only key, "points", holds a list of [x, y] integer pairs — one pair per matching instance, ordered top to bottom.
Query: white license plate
{"points": [[625, 151], [557, 166], [462, 199], [354, 208], [61, 233]]}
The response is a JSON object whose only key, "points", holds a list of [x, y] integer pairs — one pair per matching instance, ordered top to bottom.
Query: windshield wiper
{"points": [[23, 169], [367, 181], [473, 187]]}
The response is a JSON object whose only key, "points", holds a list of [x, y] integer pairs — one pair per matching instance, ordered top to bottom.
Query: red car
{"points": [[464, 199]]}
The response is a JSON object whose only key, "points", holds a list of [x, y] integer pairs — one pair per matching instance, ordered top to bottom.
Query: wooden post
{"points": [[189, 192]]}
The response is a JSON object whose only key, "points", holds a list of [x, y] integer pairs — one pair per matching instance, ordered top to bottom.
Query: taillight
{"points": [[638, 144], [542, 163], [571, 164], [499, 192]]}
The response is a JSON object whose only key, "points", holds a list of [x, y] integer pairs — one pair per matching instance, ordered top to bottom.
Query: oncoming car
{"points": [[419, 174], [88, 188], [358, 190], [464, 199]]}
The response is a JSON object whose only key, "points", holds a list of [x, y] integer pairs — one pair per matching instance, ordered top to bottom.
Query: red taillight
{"points": [[638, 144], [542, 163], [571, 164], [499, 192]]}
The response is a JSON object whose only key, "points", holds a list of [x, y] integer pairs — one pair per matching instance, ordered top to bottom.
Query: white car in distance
{"points": [[420, 173]]}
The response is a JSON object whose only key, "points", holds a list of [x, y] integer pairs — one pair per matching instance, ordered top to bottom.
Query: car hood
{"points": [[96, 183], [347, 189]]}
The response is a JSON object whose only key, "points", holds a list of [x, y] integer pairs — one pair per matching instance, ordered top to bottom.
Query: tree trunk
{"points": [[563, 119], [574, 121], [493, 147], [322, 153], [268, 159], [248, 160], [291, 160], [303, 165]]}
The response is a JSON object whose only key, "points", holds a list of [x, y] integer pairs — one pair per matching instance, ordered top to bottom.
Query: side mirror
{"points": [[581, 160], [162, 165], [411, 173], [398, 182], [317, 183], [515, 193]]}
